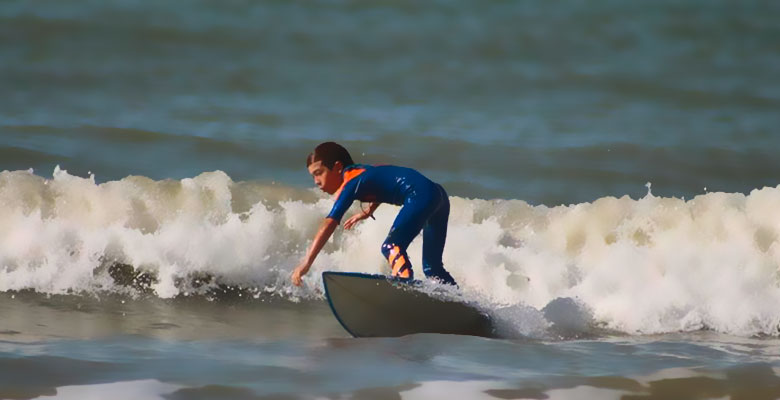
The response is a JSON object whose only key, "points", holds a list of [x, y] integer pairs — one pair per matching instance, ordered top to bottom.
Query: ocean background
{"points": [[611, 166]]}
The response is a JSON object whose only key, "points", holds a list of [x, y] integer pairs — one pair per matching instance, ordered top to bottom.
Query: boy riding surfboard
{"points": [[424, 207]]}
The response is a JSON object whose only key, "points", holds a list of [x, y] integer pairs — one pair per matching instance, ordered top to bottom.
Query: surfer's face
{"points": [[328, 180]]}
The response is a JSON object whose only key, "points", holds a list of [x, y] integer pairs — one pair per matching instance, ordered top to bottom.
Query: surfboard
{"points": [[378, 306]]}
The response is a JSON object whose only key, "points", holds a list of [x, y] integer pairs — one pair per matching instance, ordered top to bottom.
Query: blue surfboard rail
{"points": [[330, 302]]}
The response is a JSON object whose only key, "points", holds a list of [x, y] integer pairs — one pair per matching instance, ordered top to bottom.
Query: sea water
{"points": [[611, 167]]}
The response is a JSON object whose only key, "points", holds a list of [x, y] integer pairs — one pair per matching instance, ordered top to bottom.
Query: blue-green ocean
{"points": [[611, 167]]}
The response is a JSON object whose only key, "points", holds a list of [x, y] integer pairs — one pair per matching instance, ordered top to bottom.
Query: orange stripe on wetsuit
{"points": [[349, 175], [398, 263]]}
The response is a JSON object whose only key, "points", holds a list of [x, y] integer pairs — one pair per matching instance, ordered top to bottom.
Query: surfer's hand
{"points": [[349, 223], [298, 273]]}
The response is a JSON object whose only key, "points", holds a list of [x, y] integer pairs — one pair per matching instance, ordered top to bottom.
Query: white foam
{"points": [[650, 265], [131, 390], [452, 390]]}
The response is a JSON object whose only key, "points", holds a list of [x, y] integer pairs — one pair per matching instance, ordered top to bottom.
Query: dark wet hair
{"points": [[329, 153]]}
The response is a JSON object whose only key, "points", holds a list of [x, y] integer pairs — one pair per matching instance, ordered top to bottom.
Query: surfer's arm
{"points": [[363, 214], [323, 234]]}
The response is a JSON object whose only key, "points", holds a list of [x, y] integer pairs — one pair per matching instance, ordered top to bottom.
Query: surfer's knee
{"points": [[386, 249], [398, 261]]}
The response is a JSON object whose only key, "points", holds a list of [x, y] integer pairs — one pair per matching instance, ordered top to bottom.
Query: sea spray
{"points": [[647, 265]]}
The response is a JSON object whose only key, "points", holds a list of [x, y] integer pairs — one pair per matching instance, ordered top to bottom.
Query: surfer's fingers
{"points": [[351, 222], [296, 278]]}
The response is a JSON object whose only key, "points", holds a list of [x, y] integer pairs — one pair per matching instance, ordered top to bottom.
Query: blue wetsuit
{"points": [[424, 206]]}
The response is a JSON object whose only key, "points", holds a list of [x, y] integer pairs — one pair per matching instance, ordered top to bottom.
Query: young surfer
{"points": [[424, 206]]}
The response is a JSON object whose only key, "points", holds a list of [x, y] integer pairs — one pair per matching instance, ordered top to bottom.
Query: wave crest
{"points": [[648, 265]]}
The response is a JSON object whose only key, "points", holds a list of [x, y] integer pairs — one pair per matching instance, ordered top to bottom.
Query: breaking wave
{"points": [[639, 266]]}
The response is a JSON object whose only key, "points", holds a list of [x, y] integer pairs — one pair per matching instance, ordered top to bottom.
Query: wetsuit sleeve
{"points": [[344, 199]]}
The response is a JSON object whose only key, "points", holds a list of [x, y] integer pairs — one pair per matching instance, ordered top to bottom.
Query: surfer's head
{"points": [[326, 164]]}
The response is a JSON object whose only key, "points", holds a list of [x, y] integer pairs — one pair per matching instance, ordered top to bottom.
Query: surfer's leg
{"points": [[407, 225], [434, 236], [399, 261]]}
